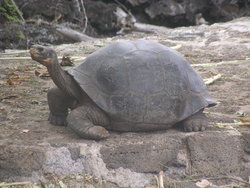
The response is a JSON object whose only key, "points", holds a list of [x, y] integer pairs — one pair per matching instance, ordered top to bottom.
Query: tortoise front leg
{"points": [[59, 103], [88, 122]]}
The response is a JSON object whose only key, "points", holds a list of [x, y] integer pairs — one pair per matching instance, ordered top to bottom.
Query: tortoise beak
{"points": [[34, 53]]}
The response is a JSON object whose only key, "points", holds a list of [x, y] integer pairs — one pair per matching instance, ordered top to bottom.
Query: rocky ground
{"points": [[32, 21], [33, 150]]}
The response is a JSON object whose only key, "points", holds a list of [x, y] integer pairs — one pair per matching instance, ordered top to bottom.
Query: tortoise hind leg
{"points": [[59, 103], [88, 122], [196, 122]]}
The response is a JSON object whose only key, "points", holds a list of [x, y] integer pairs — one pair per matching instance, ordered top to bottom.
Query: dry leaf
{"points": [[66, 61], [40, 66], [20, 68], [37, 73], [41, 74], [45, 74], [13, 76], [25, 76], [13, 81], [8, 97], [11, 118], [245, 119], [25, 131], [203, 183]]}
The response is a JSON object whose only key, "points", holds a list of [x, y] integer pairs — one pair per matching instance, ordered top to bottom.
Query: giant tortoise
{"points": [[126, 86]]}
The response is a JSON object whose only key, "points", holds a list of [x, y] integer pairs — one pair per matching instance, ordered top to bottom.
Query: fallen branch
{"points": [[147, 28], [66, 32], [73, 34], [211, 80]]}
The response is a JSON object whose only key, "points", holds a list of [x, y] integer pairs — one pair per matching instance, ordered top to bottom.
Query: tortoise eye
{"points": [[40, 49]]}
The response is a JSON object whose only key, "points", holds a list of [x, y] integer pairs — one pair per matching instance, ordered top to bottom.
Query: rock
{"points": [[167, 8], [173, 13], [98, 18], [12, 36], [220, 152], [148, 154], [246, 154], [128, 159]]}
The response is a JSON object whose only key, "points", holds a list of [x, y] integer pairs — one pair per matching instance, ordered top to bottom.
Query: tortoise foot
{"points": [[57, 120], [195, 123], [97, 133]]}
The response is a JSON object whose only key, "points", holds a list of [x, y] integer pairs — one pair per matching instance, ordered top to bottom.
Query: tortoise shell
{"points": [[142, 82]]}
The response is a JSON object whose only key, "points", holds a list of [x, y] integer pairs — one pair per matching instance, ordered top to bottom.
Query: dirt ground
{"points": [[221, 48]]}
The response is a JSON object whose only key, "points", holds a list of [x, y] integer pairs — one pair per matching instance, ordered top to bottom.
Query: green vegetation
{"points": [[10, 11], [20, 35]]}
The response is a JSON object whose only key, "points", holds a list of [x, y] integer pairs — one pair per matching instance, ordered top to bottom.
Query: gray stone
{"points": [[146, 153], [215, 153], [246, 154], [128, 159]]}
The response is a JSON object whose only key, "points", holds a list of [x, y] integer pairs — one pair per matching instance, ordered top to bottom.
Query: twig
{"points": [[123, 6], [59, 16], [85, 17], [176, 47], [13, 52], [15, 58], [73, 58], [77, 58], [220, 63], [211, 80], [8, 97], [232, 124], [169, 168], [229, 177], [212, 178], [157, 181], [13, 184], [161, 185]]}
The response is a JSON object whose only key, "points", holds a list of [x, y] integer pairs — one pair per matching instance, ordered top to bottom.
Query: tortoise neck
{"points": [[57, 74], [59, 77], [64, 81]]}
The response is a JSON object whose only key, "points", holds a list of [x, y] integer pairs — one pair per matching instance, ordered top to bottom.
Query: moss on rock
{"points": [[10, 12]]}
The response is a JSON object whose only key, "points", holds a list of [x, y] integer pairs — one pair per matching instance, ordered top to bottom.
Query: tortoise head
{"points": [[44, 55]]}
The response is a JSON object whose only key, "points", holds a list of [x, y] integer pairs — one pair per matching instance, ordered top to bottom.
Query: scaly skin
{"points": [[70, 95], [196, 122]]}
